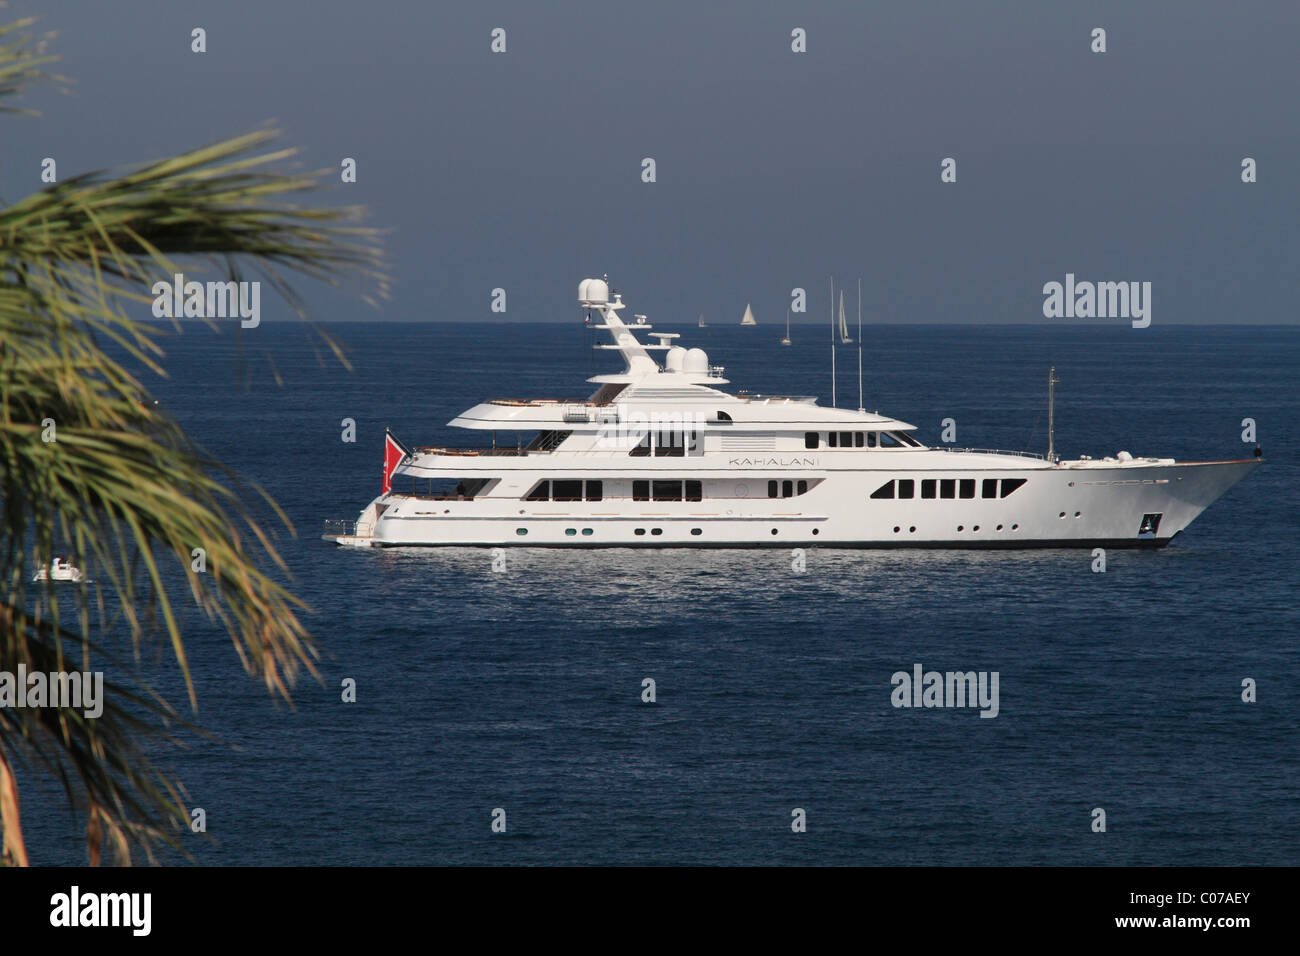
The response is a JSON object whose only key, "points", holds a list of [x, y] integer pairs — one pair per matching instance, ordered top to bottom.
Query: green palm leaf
{"points": [[122, 490]]}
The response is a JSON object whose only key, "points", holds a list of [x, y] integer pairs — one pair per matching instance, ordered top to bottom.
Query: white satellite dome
{"points": [[582, 289], [597, 291], [675, 358], [697, 362]]}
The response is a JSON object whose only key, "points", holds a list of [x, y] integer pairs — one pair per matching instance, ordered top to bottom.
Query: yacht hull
{"points": [[1086, 505]]}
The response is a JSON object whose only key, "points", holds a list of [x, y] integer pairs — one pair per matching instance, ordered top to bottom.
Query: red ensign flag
{"points": [[394, 453]]}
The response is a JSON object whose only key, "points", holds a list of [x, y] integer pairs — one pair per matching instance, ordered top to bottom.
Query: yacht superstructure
{"points": [[660, 456]]}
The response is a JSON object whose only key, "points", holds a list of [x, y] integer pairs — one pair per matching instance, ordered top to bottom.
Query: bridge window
{"points": [[846, 439], [859, 439], [871, 440], [889, 440], [672, 443], [1011, 484], [968, 487], [906, 488], [989, 488], [884, 491], [542, 492]]}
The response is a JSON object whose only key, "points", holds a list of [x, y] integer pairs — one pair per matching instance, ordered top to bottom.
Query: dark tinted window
{"points": [[810, 439], [832, 439], [846, 439], [859, 439], [871, 440], [887, 440], [670, 444], [643, 447], [1011, 484], [803, 487], [947, 487], [968, 487], [906, 488], [927, 488], [990, 488], [771, 489], [787, 489], [641, 490], [668, 490], [567, 491], [595, 491], [694, 491], [884, 491], [541, 493]]}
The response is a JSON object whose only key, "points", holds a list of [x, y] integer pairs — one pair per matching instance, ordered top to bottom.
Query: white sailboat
{"points": [[748, 318], [702, 325], [844, 326], [786, 340]]}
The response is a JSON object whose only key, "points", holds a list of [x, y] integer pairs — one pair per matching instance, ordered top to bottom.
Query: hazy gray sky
{"points": [[522, 170]]}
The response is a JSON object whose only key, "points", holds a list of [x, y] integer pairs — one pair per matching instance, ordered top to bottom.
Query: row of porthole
{"points": [[1077, 514], [960, 527], [569, 531], [641, 531]]}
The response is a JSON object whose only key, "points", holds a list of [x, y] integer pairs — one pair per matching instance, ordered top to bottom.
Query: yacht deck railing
{"points": [[990, 451], [475, 452]]}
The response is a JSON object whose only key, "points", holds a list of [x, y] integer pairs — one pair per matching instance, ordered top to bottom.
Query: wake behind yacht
{"points": [[661, 456]]}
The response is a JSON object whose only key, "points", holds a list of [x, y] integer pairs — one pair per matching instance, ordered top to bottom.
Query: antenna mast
{"points": [[1052, 381], [833, 402], [861, 409]]}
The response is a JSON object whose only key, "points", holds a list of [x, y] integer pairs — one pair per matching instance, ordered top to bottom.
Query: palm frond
{"points": [[122, 490]]}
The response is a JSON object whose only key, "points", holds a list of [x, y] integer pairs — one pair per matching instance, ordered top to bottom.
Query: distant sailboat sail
{"points": [[749, 316], [702, 325], [844, 326], [786, 340]]}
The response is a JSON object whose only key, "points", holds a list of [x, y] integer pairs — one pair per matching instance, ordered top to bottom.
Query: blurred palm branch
{"points": [[121, 490]]}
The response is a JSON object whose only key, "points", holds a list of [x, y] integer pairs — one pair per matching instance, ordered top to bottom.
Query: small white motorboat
{"points": [[59, 570]]}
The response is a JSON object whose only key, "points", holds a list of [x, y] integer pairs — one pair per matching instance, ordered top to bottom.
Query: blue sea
{"points": [[522, 690]]}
